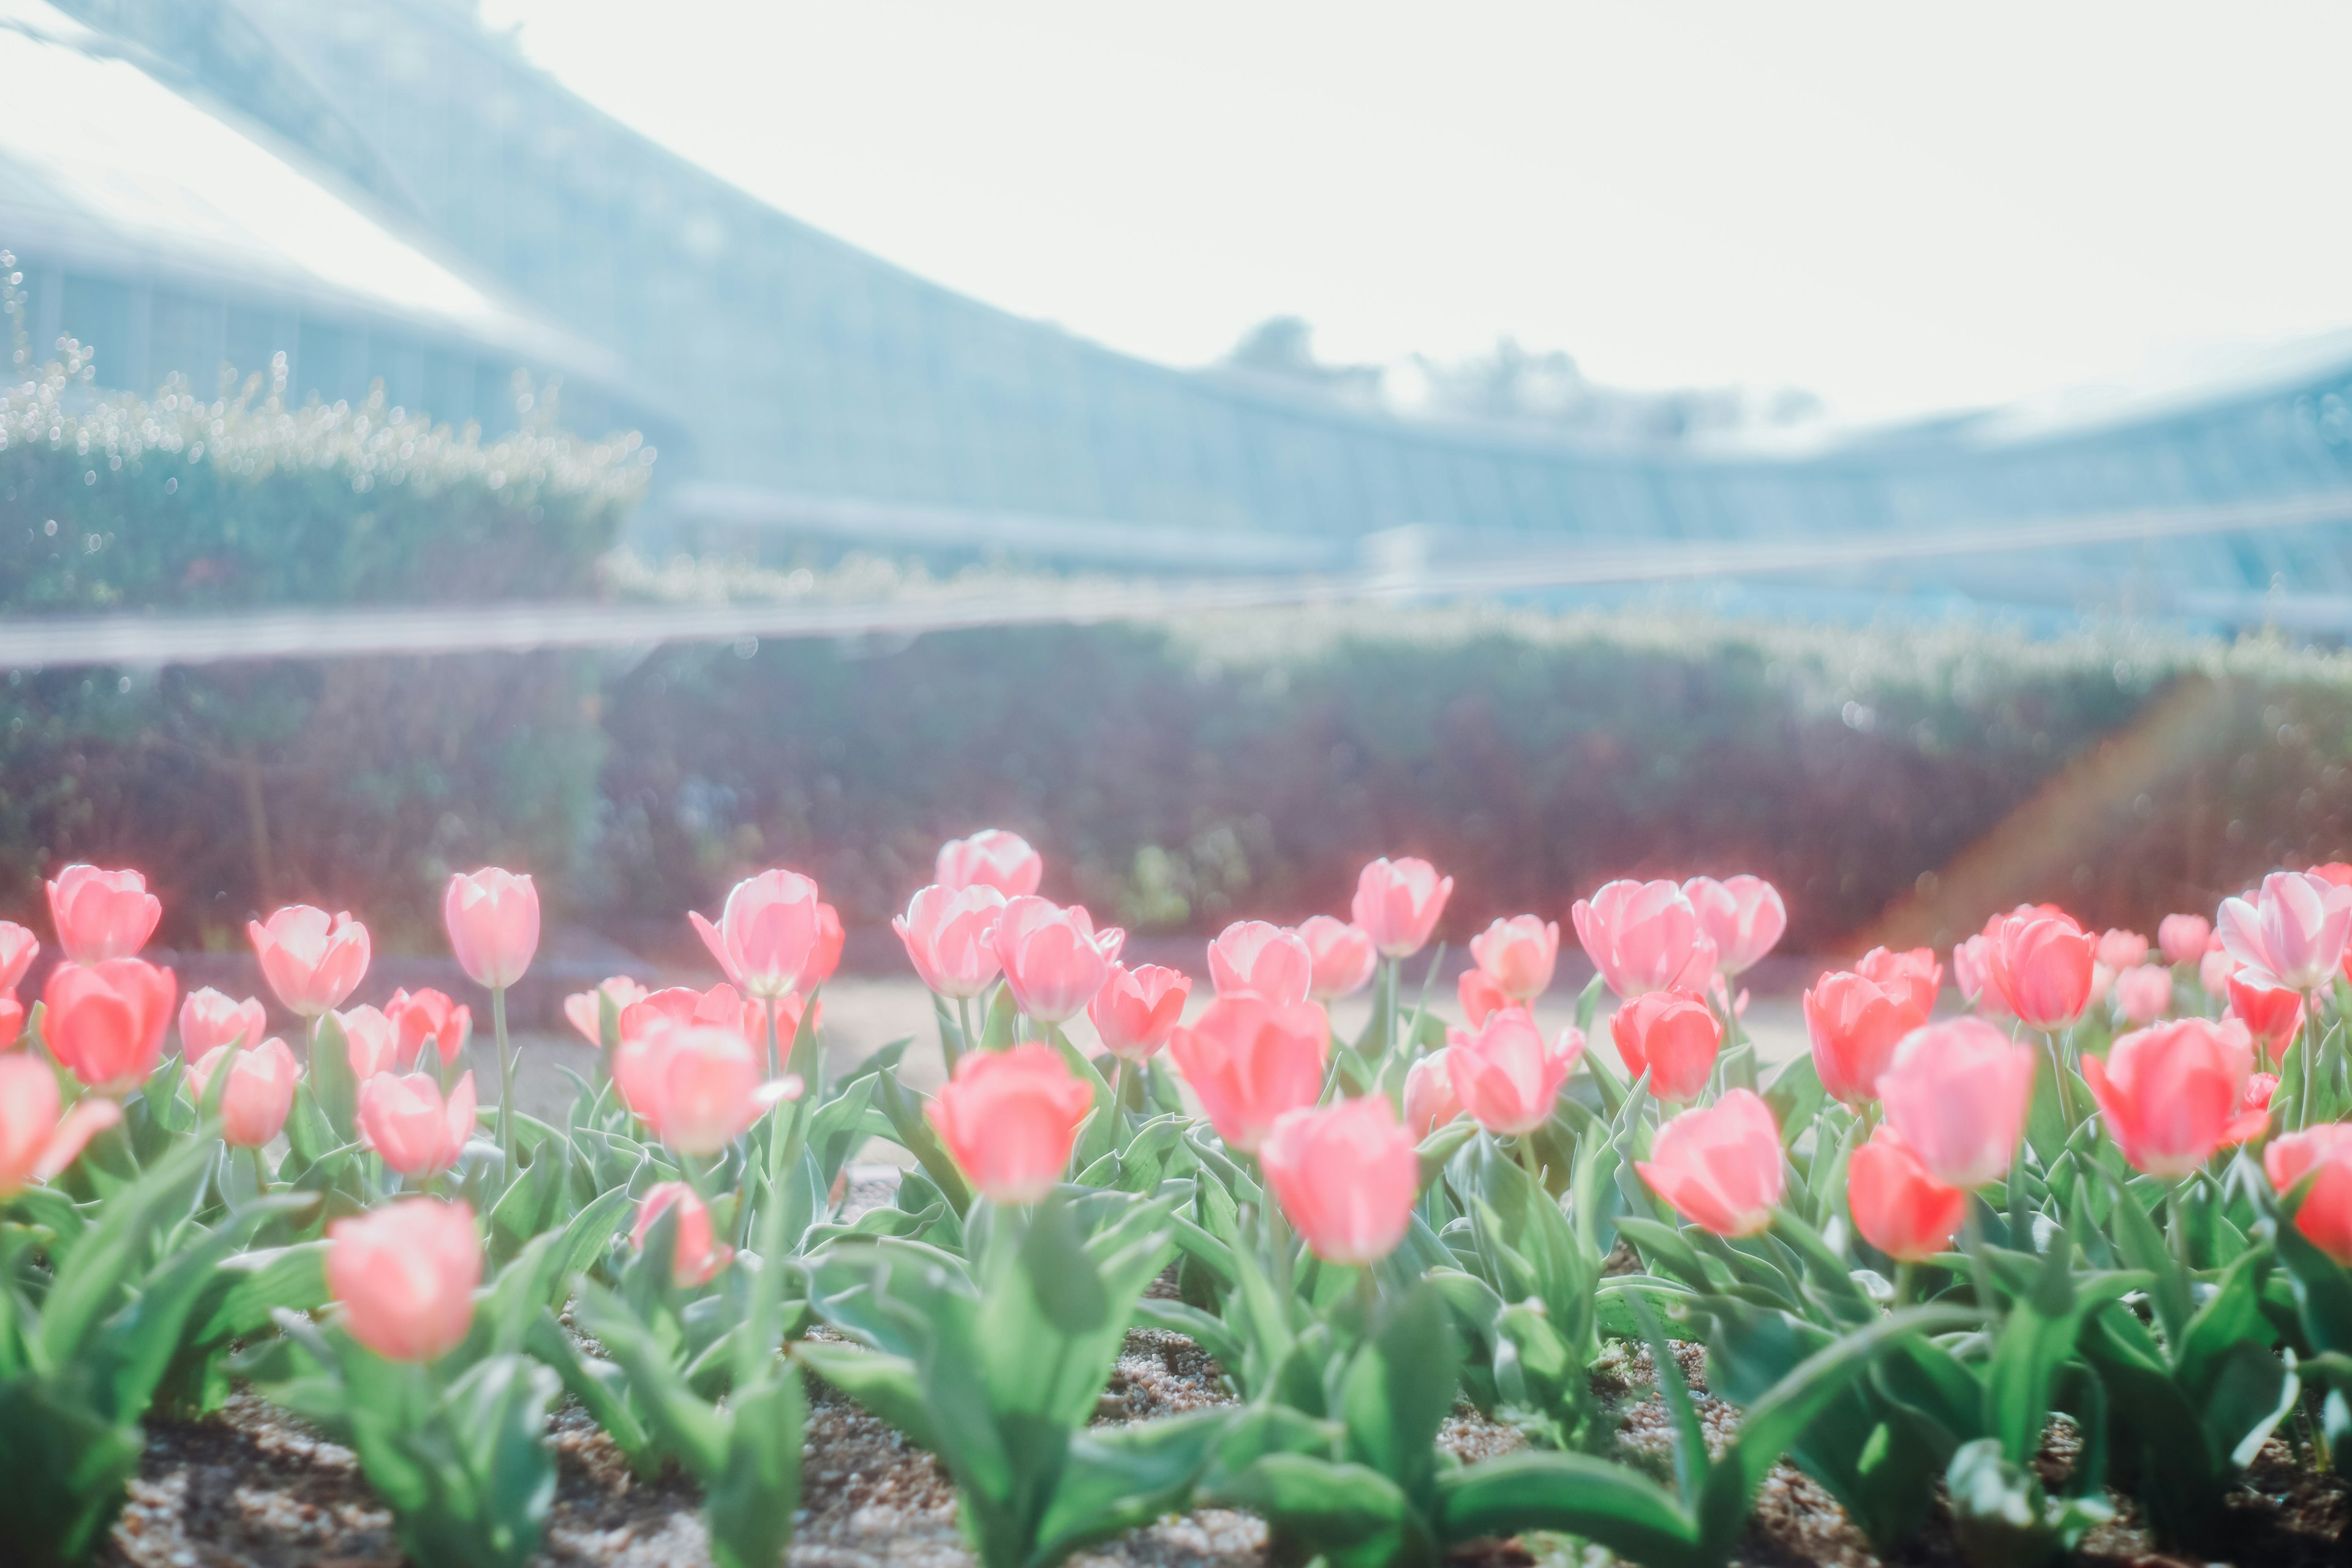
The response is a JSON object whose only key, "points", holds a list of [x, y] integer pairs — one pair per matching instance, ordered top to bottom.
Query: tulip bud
{"points": [[990, 858], [1397, 903], [101, 915], [1743, 916], [492, 917], [947, 933], [768, 934], [2293, 934], [1645, 936], [2183, 937], [19, 947], [2119, 950], [1518, 954], [1343, 955], [1255, 956], [312, 959], [1054, 959], [2041, 966], [1912, 980], [2144, 993], [1138, 1009], [584, 1010], [2271, 1014], [425, 1016], [209, 1019], [105, 1022], [1854, 1026], [1673, 1037], [371, 1041], [1249, 1061], [1505, 1075], [696, 1086], [1957, 1093], [257, 1094], [2172, 1094], [1430, 1101], [1010, 1118], [404, 1119], [35, 1140], [1720, 1166], [1346, 1176], [1898, 1206], [2326, 1216], [698, 1255], [406, 1274]]}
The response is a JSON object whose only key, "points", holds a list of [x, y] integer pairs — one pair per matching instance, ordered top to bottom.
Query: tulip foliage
{"points": [[2110, 1193]]}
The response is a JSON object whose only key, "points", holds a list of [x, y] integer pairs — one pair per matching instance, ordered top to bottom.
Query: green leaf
{"points": [[1004, 1019], [914, 1136], [2144, 1247], [2037, 1336], [1400, 1389], [1117, 1479], [1572, 1493], [749, 1505], [1340, 1508]]}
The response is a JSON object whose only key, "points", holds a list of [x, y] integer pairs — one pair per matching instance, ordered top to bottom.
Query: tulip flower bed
{"points": [[1988, 1281]]}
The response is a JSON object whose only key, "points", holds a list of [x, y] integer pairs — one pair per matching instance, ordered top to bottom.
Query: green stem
{"points": [[1391, 969], [768, 1009], [954, 1050], [2058, 1075], [506, 1081], [1118, 1086], [1528, 1158], [260, 1170], [2173, 1206], [1972, 1241], [1906, 1284], [1368, 1296]]}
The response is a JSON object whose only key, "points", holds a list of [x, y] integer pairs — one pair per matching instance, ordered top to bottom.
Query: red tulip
{"points": [[990, 858], [2335, 873], [1398, 901], [100, 915], [1743, 916], [492, 917], [768, 934], [948, 934], [2293, 934], [1645, 936], [2183, 937], [18, 947], [2120, 950], [1518, 954], [825, 957], [1344, 957], [312, 959], [1262, 959], [1055, 961], [2041, 966], [1912, 980], [2142, 993], [1481, 995], [721, 1007], [585, 1009], [1138, 1009], [2271, 1014], [429, 1015], [12, 1019], [208, 1019], [105, 1022], [1854, 1026], [1672, 1036], [1249, 1061], [1505, 1075], [696, 1086], [1959, 1092], [258, 1094], [2170, 1095], [1430, 1101], [2254, 1106], [1010, 1118], [404, 1119], [36, 1141], [1721, 1167], [1346, 1176], [1898, 1206], [2326, 1216], [697, 1256], [406, 1274]]}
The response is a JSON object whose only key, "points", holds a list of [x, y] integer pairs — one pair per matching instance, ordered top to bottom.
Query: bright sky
{"points": [[1901, 206]]}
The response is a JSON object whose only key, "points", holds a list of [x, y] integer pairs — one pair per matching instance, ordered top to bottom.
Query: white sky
{"points": [[1899, 206]]}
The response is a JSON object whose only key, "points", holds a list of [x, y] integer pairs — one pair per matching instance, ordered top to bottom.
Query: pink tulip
{"points": [[990, 858], [2337, 873], [1397, 903], [100, 915], [1743, 916], [492, 917], [946, 931], [2293, 934], [767, 935], [1645, 936], [2183, 938], [19, 947], [2120, 950], [1518, 954], [825, 957], [1344, 957], [312, 959], [1054, 959], [1262, 959], [2041, 966], [2214, 971], [1972, 973], [1912, 980], [2143, 993], [1481, 995], [720, 1007], [585, 1009], [1138, 1009], [2271, 1014], [429, 1015], [12, 1019], [208, 1019], [105, 1022], [1854, 1026], [1673, 1037], [371, 1041], [1249, 1061], [1505, 1075], [696, 1086], [1959, 1092], [258, 1094], [2173, 1094], [1430, 1101], [2254, 1106], [1009, 1117], [404, 1119], [35, 1140], [1720, 1167], [1346, 1176], [1897, 1206], [2326, 1216], [698, 1255], [406, 1274]]}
